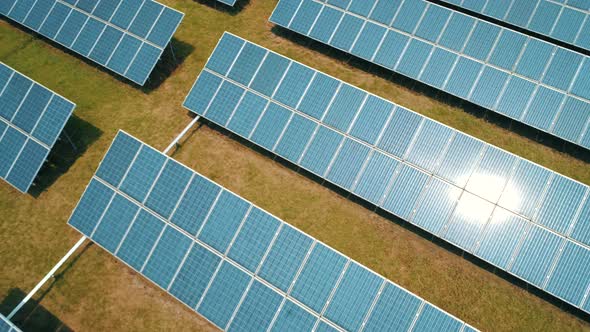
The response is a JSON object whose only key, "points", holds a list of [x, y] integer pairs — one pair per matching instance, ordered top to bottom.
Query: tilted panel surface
{"points": [[564, 20], [126, 36], [526, 79], [31, 119], [478, 197], [241, 268], [7, 326]]}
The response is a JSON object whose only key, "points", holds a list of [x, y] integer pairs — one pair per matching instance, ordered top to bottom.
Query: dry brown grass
{"points": [[99, 293]]}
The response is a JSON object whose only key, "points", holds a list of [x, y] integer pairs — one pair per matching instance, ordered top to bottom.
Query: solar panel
{"points": [[566, 21], [125, 36], [526, 79], [31, 119], [516, 215], [230, 261], [7, 326]]}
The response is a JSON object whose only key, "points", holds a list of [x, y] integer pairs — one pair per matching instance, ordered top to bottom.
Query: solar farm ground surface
{"points": [[97, 292]]}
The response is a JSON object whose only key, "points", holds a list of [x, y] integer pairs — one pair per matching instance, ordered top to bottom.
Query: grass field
{"points": [[96, 292]]}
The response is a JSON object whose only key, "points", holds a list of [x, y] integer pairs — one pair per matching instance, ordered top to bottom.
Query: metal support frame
{"points": [[172, 52], [182, 133], [69, 139], [78, 244], [47, 276]]}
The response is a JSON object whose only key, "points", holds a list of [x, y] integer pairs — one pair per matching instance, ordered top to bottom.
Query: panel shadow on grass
{"points": [[231, 10], [174, 55], [166, 65], [495, 118], [74, 140], [406, 225], [33, 316]]}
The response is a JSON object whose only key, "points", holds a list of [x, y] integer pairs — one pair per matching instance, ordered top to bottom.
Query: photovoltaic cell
{"points": [[566, 21], [127, 36], [467, 57], [31, 119], [469, 193], [269, 276], [317, 279], [354, 296], [293, 318], [432, 319]]}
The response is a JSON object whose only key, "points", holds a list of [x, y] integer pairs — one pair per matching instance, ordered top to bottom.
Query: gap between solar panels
{"points": [[565, 22], [523, 78], [516, 215], [78, 244]]}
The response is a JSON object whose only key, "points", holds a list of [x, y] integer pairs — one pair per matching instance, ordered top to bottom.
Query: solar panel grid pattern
{"points": [[566, 21], [125, 36], [526, 79], [31, 119], [484, 200], [267, 275], [7, 326]]}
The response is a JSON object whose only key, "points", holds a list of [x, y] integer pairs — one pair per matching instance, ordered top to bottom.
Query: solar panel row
{"points": [[567, 21], [125, 36], [523, 78], [31, 119], [514, 214], [235, 264], [7, 326]]}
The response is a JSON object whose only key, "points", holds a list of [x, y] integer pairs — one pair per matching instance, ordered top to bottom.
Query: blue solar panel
{"points": [[566, 21], [125, 36], [464, 56], [31, 119], [469, 193], [115, 222], [244, 270], [315, 282], [354, 297], [395, 310], [293, 318], [432, 319], [7, 326]]}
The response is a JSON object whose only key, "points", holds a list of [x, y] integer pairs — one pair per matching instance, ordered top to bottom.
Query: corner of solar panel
{"points": [[127, 39]]}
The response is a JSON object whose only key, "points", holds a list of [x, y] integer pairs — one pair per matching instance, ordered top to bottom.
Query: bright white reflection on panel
{"points": [[490, 187], [512, 197], [472, 209]]}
